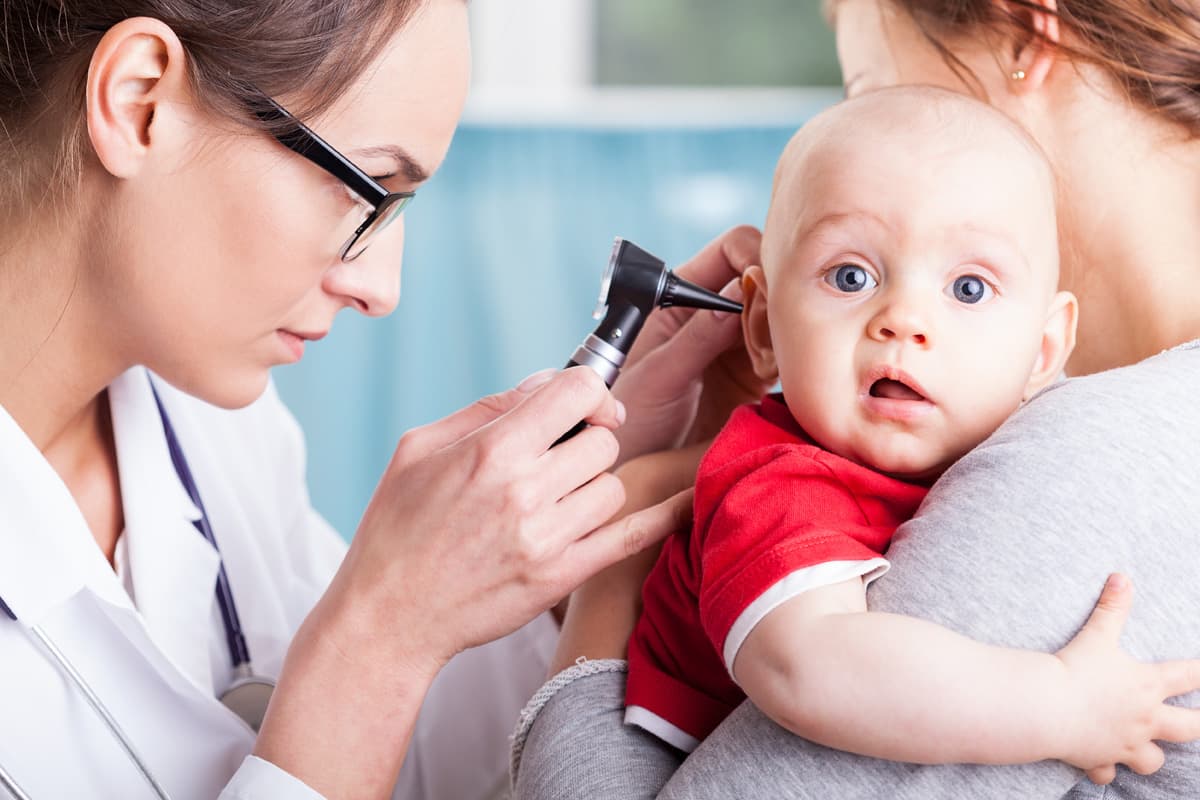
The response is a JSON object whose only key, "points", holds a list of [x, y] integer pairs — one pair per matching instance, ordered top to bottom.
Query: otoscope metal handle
{"points": [[604, 359]]}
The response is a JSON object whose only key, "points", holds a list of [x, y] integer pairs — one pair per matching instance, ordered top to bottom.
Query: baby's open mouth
{"points": [[894, 390]]}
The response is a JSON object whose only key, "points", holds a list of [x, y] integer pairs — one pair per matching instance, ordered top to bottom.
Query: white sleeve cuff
{"points": [[794, 585], [257, 779]]}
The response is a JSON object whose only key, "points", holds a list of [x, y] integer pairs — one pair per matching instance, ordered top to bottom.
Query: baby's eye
{"points": [[850, 278], [970, 289]]}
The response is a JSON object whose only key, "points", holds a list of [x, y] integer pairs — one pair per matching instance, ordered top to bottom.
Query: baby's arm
{"points": [[904, 689]]}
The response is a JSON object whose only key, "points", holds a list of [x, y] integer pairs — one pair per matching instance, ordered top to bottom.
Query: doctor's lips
{"points": [[294, 340]]}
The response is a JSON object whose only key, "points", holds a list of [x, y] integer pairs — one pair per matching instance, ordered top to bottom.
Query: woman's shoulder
{"points": [[1147, 399], [1129, 429]]}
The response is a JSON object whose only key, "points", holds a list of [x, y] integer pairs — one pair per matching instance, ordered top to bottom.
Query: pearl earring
{"points": [[1018, 75]]}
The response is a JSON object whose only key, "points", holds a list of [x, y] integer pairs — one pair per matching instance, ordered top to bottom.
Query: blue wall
{"points": [[504, 254]]}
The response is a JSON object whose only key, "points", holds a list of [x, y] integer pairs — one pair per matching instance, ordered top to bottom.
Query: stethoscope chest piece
{"points": [[248, 697]]}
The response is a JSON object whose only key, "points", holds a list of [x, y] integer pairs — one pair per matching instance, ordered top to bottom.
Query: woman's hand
{"points": [[688, 369], [1120, 710]]}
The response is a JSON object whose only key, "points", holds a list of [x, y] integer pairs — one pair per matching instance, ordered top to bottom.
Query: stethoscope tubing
{"points": [[98, 705], [11, 786]]}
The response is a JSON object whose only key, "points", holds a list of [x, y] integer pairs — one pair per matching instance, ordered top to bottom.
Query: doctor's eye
{"points": [[850, 278], [970, 289]]}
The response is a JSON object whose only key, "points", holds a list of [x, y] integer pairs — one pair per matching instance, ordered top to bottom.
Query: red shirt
{"points": [[769, 504]]}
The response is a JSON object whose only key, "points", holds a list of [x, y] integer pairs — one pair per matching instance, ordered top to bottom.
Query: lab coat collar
{"points": [[48, 551], [173, 568]]}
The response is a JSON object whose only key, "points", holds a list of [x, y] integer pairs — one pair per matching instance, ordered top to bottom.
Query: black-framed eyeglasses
{"points": [[386, 206]]}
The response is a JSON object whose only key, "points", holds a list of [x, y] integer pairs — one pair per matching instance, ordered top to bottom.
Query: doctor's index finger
{"points": [[724, 258], [554, 408], [426, 439]]}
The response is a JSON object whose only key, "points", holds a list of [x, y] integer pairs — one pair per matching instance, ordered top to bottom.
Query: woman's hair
{"points": [[1150, 48], [310, 50]]}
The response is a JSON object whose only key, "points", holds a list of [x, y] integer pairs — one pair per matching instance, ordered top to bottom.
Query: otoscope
{"points": [[634, 284]]}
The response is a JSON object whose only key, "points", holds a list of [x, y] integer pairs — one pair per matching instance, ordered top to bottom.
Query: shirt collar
{"points": [[49, 553]]}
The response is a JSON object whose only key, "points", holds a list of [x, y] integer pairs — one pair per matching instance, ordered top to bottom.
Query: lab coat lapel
{"points": [[49, 551], [174, 569]]}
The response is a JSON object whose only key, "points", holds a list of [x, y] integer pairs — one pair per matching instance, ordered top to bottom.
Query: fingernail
{"points": [[733, 290], [539, 378], [620, 413], [1117, 582]]}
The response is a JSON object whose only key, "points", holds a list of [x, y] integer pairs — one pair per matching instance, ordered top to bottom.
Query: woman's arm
{"points": [[904, 689]]}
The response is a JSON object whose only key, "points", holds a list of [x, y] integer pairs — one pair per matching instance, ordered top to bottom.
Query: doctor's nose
{"points": [[370, 284], [902, 321]]}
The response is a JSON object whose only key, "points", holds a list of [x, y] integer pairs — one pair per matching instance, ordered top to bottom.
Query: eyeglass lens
{"points": [[387, 213]]}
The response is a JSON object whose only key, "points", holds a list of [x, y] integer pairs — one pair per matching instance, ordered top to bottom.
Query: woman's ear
{"points": [[1034, 47], [138, 64], [755, 327], [1058, 340]]}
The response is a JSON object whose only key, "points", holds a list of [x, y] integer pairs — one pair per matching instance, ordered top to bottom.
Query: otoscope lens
{"points": [[606, 281]]}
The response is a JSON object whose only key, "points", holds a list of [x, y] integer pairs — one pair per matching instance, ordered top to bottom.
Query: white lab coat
{"points": [[159, 659]]}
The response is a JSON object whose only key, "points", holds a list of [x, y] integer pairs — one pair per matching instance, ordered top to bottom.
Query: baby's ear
{"points": [[755, 327], [1058, 340]]}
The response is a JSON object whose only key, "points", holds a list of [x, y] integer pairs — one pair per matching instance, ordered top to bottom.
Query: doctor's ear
{"points": [[137, 71], [755, 328], [1058, 340]]}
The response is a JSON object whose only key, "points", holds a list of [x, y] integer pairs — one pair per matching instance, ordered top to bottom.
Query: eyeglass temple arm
{"points": [[302, 140]]}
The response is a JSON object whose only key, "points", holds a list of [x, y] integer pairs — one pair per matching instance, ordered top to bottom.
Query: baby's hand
{"points": [[1119, 709]]}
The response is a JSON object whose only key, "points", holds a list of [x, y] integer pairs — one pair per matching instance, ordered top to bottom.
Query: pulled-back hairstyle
{"points": [[1150, 48], [312, 49]]}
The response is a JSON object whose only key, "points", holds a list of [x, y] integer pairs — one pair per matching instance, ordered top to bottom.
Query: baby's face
{"points": [[908, 288]]}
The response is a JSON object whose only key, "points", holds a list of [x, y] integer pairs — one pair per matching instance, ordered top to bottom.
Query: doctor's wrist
{"points": [[371, 627], [343, 713]]}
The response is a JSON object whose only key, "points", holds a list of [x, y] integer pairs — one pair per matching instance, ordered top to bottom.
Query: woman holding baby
{"points": [[1096, 474]]}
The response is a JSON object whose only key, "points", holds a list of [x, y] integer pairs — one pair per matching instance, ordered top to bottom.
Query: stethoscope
{"points": [[248, 694]]}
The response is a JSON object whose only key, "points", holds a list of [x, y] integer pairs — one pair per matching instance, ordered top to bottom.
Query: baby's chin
{"points": [[904, 464]]}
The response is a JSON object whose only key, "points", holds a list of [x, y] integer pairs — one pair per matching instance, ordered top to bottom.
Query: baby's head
{"points": [[907, 300]]}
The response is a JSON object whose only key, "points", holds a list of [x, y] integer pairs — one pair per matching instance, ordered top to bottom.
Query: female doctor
{"points": [[170, 231]]}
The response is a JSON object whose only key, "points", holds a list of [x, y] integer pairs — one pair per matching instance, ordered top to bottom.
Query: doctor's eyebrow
{"points": [[413, 171]]}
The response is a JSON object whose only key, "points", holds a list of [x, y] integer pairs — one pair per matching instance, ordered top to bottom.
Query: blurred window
{"points": [[714, 43]]}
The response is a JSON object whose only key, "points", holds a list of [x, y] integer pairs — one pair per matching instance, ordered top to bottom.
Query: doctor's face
{"points": [[233, 259]]}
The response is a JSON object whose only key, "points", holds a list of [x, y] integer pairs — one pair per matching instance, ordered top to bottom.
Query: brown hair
{"points": [[1150, 48], [312, 49]]}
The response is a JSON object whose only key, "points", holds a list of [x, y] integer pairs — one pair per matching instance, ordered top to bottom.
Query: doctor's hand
{"points": [[689, 368], [479, 524]]}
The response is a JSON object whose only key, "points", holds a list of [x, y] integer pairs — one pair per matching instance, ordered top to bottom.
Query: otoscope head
{"points": [[635, 277], [634, 284]]}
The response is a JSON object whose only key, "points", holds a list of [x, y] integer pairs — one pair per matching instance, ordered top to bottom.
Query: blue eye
{"points": [[850, 278], [970, 289]]}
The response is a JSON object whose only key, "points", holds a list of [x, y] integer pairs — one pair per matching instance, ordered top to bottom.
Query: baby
{"points": [[907, 305]]}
